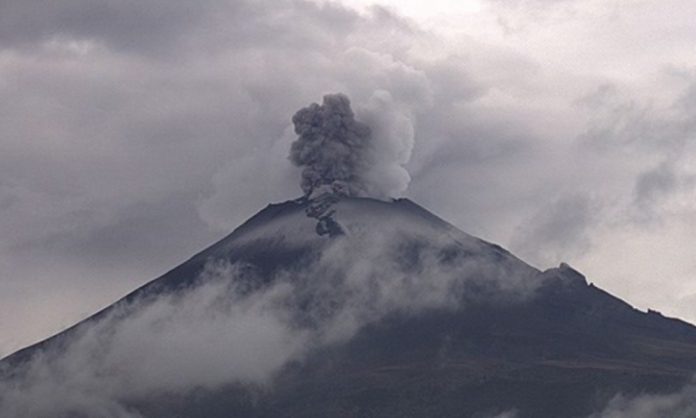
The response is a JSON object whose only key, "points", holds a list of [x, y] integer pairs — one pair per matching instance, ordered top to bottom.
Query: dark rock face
{"points": [[564, 351]]}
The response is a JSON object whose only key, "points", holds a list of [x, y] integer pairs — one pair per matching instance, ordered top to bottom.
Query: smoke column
{"points": [[351, 157]]}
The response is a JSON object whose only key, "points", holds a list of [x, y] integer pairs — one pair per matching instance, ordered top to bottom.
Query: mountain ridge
{"points": [[269, 213]]}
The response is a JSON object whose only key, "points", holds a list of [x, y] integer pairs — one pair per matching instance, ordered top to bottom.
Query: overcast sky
{"points": [[133, 134]]}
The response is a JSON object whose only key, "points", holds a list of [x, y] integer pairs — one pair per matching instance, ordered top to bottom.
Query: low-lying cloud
{"points": [[681, 404]]}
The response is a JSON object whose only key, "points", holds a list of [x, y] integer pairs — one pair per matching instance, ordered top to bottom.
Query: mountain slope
{"points": [[282, 236], [367, 308]]}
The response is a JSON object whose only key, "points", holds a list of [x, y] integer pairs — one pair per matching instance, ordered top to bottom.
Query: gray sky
{"points": [[133, 134]]}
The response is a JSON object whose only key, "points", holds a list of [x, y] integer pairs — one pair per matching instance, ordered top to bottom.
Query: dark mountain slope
{"points": [[565, 353]]}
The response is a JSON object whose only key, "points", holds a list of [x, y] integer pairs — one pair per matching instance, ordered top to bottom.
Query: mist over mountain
{"points": [[348, 302]]}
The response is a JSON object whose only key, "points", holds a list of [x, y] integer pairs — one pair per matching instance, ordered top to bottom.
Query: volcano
{"points": [[334, 306]]}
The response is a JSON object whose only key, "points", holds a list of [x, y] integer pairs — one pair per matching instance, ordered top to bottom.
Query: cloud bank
{"points": [[681, 404]]}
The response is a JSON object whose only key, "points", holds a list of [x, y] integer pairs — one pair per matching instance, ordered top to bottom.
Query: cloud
{"points": [[172, 30], [653, 185], [558, 230], [203, 338], [681, 404], [508, 414]]}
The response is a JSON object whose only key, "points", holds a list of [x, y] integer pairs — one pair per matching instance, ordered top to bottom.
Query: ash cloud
{"points": [[331, 145], [351, 157]]}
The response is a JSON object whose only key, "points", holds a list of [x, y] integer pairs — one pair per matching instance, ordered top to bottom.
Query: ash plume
{"points": [[350, 157]]}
